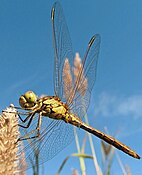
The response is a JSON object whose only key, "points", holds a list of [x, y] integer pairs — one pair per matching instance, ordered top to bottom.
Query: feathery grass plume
{"points": [[78, 71], [78, 77], [67, 79], [9, 133], [106, 148], [107, 156], [75, 172]]}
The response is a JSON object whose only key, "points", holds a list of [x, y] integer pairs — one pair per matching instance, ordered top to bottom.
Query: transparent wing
{"points": [[62, 46], [67, 90], [80, 96], [54, 136]]}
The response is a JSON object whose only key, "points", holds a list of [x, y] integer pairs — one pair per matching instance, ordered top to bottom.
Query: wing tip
{"points": [[94, 37]]}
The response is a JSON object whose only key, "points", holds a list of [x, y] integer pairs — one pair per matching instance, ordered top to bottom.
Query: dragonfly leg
{"points": [[16, 112], [23, 113], [31, 115], [25, 118], [39, 123], [37, 135], [27, 137]]}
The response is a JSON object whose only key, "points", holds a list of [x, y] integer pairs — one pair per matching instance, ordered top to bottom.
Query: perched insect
{"points": [[73, 83]]}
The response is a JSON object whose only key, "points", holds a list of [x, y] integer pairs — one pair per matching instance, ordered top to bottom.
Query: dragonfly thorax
{"points": [[52, 107]]}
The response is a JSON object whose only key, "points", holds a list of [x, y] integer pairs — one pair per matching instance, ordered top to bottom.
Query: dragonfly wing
{"points": [[62, 46], [80, 96], [80, 104], [54, 136]]}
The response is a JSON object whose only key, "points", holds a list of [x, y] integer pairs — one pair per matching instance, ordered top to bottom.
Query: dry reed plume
{"points": [[74, 77], [8, 137]]}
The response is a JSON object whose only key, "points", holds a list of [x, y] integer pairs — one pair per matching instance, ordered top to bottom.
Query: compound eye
{"points": [[30, 97], [28, 100]]}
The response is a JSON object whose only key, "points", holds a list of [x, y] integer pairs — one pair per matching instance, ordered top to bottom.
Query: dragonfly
{"points": [[48, 125]]}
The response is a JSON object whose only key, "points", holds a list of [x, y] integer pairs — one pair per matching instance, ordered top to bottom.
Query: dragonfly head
{"points": [[28, 100]]}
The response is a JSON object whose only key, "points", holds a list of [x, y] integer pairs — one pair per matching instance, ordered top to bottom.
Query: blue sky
{"points": [[26, 56]]}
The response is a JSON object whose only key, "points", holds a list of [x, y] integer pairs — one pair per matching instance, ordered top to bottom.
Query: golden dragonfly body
{"points": [[54, 108], [50, 118]]}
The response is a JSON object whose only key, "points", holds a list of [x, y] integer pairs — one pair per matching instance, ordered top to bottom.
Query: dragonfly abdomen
{"points": [[72, 119], [117, 144]]}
